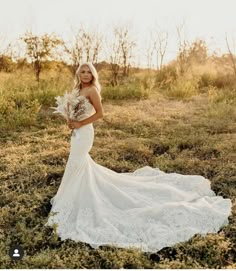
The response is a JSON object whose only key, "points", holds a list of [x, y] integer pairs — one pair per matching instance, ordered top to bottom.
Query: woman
{"points": [[148, 209]]}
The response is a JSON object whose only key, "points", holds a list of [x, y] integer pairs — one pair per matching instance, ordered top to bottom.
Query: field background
{"points": [[178, 123]]}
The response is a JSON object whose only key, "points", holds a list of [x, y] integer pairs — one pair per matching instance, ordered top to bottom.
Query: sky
{"points": [[204, 19]]}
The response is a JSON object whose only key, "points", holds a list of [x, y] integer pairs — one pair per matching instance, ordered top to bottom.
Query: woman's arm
{"points": [[95, 99]]}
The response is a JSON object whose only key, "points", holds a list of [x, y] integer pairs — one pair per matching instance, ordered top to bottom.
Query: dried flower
{"points": [[70, 106]]}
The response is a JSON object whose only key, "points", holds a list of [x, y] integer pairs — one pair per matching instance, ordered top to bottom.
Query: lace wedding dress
{"points": [[147, 209]]}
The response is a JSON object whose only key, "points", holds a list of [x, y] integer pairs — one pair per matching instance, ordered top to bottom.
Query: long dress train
{"points": [[148, 209]]}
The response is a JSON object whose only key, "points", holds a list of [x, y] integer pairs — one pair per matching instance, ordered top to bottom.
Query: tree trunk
{"points": [[37, 69]]}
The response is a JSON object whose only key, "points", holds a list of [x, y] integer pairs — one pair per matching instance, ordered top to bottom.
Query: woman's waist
{"points": [[84, 116], [86, 127]]}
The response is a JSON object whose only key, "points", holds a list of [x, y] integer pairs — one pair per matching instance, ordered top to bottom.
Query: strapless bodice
{"points": [[89, 108]]}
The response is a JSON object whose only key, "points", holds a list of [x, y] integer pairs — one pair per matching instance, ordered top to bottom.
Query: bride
{"points": [[147, 209]]}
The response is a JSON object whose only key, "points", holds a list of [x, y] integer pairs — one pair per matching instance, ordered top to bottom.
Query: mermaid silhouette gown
{"points": [[147, 209]]}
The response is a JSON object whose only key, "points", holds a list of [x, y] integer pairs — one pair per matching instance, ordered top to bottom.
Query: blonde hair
{"points": [[94, 81]]}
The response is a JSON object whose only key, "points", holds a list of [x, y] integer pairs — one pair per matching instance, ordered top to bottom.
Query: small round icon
{"points": [[16, 252]]}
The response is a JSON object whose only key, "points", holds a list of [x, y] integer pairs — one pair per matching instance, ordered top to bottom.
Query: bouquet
{"points": [[70, 106]]}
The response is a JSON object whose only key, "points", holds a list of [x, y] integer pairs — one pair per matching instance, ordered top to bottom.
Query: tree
{"points": [[92, 43], [126, 45], [183, 45], [85, 46], [160, 46], [157, 47], [39, 49], [74, 51], [120, 52], [149, 52], [197, 52], [231, 55], [6, 61], [115, 61]]}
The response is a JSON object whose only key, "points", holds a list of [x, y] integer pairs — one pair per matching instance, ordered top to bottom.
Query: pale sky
{"points": [[206, 19]]}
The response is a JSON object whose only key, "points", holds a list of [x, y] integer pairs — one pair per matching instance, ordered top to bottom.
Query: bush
{"points": [[6, 64], [166, 77], [206, 80], [218, 80], [224, 81], [132, 89], [182, 89], [227, 96], [22, 99], [12, 117]]}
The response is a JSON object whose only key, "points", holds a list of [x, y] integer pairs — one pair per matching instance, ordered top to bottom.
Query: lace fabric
{"points": [[89, 109]]}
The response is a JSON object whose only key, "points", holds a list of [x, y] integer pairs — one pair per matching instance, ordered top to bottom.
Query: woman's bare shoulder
{"points": [[93, 91]]}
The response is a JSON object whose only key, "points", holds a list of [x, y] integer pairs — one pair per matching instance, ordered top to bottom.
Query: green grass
{"points": [[129, 90], [21, 100], [192, 136]]}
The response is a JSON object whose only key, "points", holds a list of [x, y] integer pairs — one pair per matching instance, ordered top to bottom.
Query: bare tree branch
{"points": [[232, 57]]}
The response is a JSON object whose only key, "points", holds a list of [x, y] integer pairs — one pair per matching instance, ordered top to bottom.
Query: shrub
{"points": [[166, 77], [206, 80], [224, 81], [134, 89], [182, 89], [227, 96], [22, 98], [13, 117]]}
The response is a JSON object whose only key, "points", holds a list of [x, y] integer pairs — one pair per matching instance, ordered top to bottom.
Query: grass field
{"points": [[184, 129]]}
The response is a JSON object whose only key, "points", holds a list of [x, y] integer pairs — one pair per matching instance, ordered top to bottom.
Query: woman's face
{"points": [[85, 75]]}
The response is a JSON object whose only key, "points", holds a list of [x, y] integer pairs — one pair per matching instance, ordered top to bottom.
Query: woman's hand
{"points": [[69, 123], [73, 124], [76, 124]]}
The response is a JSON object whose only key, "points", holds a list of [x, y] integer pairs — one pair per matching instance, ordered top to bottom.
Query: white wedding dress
{"points": [[147, 209]]}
